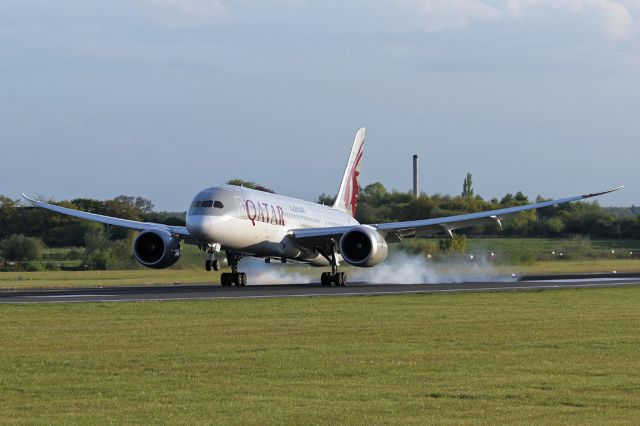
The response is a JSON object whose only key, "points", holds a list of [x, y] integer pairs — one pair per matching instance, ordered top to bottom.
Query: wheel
{"points": [[207, 265], [214, 265], [225, 279], [242, 279], [325, 279], [340, 279], [343, 279]]}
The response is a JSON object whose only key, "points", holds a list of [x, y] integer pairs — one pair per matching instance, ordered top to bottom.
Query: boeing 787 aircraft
{"points": [[243, 222]]}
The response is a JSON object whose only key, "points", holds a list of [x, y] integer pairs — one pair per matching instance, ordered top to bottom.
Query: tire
{"points": [[207, 265], [214, 265], [225, 279], [242, 279], [325, 279], [340, 279]]}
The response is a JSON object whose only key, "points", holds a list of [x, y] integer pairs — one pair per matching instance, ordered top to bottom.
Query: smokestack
{"points": [[415, 176]]}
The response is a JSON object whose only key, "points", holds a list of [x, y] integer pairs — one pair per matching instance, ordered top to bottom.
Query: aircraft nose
{"points": [[199, 226]]}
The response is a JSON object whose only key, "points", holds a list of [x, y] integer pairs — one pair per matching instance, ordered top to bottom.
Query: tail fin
{"points": [[348, 193]]}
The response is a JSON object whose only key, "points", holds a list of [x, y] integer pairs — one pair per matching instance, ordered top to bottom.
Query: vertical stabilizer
{"points": [[348, 193]]}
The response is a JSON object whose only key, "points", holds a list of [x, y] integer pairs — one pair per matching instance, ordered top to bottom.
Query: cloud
{"points": [[184, 13], [438, 15], [615, 19]]}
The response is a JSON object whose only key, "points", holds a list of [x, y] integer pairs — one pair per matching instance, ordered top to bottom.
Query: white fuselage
{"points": [[258, 223]]}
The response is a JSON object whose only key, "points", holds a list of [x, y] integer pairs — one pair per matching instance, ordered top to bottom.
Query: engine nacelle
{"points": [[363, 246], [156, 248]]}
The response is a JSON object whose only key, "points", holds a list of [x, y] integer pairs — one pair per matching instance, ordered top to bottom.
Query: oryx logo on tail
{"points": [[348, 193]]}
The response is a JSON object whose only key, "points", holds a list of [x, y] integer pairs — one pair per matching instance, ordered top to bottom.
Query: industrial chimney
{"points": [[415, 176]]}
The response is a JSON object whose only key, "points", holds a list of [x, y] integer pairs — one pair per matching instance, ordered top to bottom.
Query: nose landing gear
{"points": [[210, 264]]}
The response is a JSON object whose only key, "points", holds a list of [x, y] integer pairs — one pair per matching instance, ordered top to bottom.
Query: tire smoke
{"points": [[399, 268], [405, 268], [260, 273]]}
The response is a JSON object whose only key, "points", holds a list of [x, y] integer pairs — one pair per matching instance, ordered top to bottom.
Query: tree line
{"points": [[376, 204], [57, 230]]}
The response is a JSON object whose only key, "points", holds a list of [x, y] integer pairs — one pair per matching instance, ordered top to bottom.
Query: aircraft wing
{"points": [[108, 220], [422, 228], [395, 231], [318, 237]]}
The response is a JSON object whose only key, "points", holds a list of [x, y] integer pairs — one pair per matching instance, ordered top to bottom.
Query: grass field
{"points": [[541, 245], [553, 357]]}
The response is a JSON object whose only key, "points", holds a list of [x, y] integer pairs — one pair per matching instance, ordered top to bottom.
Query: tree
{"points": [[250, 184], [467, 186], [375, 193], [325, 199], [418, 208], [8, 216], [555, 226], [20, 248], [102, 253]]}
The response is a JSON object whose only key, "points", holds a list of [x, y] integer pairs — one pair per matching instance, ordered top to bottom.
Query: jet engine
{"points": [[363, 246], [156, 248]]}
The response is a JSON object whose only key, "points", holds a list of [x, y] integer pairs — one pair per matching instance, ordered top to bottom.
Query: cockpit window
{"points": [[208, 203]]}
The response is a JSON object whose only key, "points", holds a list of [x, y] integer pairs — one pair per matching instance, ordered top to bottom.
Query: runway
{"points": [[205, 292]]}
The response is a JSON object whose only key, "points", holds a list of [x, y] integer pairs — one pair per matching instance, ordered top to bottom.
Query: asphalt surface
{"points": [[201, 292]]}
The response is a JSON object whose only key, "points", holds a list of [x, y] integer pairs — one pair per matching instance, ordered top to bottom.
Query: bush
{"points": [[456, 244], [20, 248], [101, 253], [74, 254], [99, 260], [50, 266], [34, 267]]}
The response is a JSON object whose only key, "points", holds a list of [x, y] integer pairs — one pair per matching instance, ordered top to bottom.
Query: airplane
{"points": [[233, 222]]}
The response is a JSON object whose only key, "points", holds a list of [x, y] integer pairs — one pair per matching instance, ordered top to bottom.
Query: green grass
{"points": [[513, 244], [543, 247], [574, 266], [60, 279], [554, 357]]}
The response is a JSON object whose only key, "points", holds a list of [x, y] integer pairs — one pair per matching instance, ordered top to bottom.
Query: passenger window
{"points": [[207, 203], [218, 204]]}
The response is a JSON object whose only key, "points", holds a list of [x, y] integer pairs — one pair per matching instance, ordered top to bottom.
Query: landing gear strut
{"points": [[234, 277], [333, 277]]}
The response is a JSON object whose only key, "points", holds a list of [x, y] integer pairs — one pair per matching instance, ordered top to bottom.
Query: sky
{"points": [[161, 98]]}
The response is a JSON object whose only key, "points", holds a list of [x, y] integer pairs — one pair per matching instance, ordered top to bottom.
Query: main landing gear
{"points": [[333, 277], [337, 278], [228, 279]]}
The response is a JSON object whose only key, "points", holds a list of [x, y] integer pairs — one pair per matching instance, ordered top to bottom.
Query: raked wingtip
{"points": [[595, 194], [30, 200]]}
